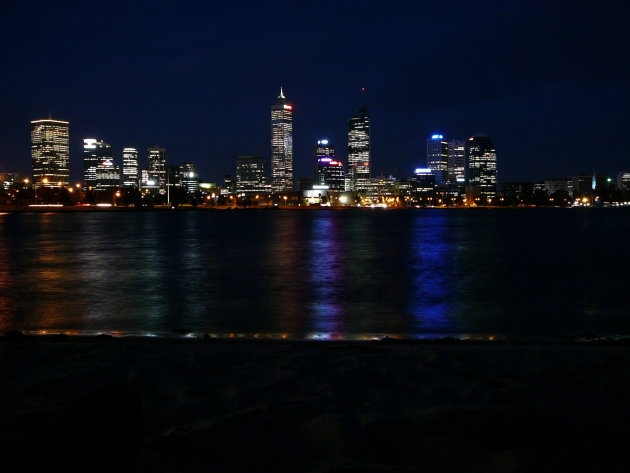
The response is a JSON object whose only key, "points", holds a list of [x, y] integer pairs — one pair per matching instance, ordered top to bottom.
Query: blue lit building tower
{"points": [[281, 144]]}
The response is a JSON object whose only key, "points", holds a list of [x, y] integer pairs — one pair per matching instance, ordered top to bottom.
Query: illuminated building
{"points": [[281, 145], [323, 150], [359, 150], [50, 152], [437, 158], [456, 162], [98, 164], [157, 168], [482, 168], [328, 171], [107, 174], [250, 174], [130, 177], [188, 177], [8, 179], [423, 181], [623, 181], [559, 184], [229, 186]]}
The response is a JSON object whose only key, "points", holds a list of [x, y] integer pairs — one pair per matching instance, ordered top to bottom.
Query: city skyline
{"points": [[545, 83]]}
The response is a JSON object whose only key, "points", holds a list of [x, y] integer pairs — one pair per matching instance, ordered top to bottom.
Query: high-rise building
{"points": [[282, 144], [323, 150], [359, 150], [50, 152], [437, 158], [97, 159], [456, 161], [157, 167], [482, 168], [330, 173], [107, 174], [130, 174], [250, 174], [188, 177], [423, 181], [623, 181]]}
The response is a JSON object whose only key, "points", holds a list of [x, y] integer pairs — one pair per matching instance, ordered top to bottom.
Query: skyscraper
{"points": [[281, 144], [323, 150], [359, 150], [50, 152], [95, 152], [437, 158], [456, 161], [157, 167], [482, 168], [130, 174], [250, 174], [188, 177]]}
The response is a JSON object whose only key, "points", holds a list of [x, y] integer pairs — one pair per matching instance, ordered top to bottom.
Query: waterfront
{"points": [[519, 273]]}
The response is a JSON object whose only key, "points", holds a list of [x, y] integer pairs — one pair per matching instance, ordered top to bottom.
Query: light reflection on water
{"points": [[333, 272]]}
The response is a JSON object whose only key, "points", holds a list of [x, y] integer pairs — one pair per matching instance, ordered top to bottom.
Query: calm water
{"points": [[514, 272]]}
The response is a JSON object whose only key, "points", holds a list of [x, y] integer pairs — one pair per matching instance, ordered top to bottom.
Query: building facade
{"points": [[282, 144], [359, 150], [50, 152], [437, 158], [98, 161], [456, 162], [157, 168], [482, 169], [130, 172], [250, 175], [188, 177]]}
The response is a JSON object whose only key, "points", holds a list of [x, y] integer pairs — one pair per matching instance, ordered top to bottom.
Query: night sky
{"points": [[549, 81]]}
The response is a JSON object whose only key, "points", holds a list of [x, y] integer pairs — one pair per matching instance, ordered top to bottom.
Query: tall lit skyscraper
{"points": [[281, 144], [359, 150], [50, 152], [95, 152], [437, 157], [457, 162], [157, 167], [482, 168], [130, 175]]}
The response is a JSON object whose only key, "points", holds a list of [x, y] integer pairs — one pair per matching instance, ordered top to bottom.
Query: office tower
{"points": [[281, 145], [323, 150], [359, 150], [50, 152], [98, 158], [437, 158], [456, 162], [157, 168], [482, 168], [330, 173], [107, 174], [130, 174], [250, 174], [188, 177], [423, 181], [623, 181], [559, 184], [229, 186]]}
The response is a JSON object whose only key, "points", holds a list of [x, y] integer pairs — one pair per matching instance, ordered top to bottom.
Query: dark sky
{"points": [[549, 81]]}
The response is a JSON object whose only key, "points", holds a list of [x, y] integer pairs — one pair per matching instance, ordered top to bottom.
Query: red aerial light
{"points": [[288, 107]]}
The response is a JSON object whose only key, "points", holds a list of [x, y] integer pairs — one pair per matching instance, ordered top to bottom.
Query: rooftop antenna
{"points": [[281, 93]]}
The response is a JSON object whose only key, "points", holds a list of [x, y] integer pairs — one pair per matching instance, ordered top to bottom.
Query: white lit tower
{"points": [[281, 145], [359, 149], [50, 153], [157, 167], [130, 175]]}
